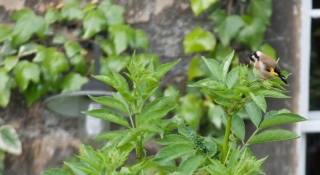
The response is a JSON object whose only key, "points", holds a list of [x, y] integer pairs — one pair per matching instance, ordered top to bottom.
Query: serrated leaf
{"points": [[198, 6], [261, 9], [52, 15], [93, 22], [27, 24], [5, 32], [121, 36], [199, 40], [72, 48], [213, 66], [224, 67], [163, 69], [25, 72], [232, 77], [106, 79], [73, 82], [121, 83], [269, 93], [260, 101], [111, 102], [224, 102], [254, 113], [108, 115], [280, 119], [238, 127], [189, 132], [107, 135], [128, 136], [272, 136], [172, 139], [9, 140], [89, 152], [173, 152], [191, 164], [216, 167], [80, 169], [55, 171]]}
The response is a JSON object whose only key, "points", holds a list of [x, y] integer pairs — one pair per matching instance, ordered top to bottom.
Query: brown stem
{"points": [[229, 7]]}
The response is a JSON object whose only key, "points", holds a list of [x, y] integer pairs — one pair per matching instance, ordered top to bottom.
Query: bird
{"points": [[266, 66]]}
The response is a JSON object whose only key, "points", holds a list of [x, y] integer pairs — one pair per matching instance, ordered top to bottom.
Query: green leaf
{"points": [[198, 6], [261, 9], [71, 11], [113, 13], [52, 15], [93, 22], [27, 24], [228, 28], [5, 32], [252, 33], [121, 36], [59, 39], [140, 40], [199, 40], [107, 47], [72, 48], [27, 49], [269, 50], [55, 63], [116, 63], [213, 66], [224, 67], [197, 68], [163, 69], [25, 72], [4, 77], [232, 77], [106, 79], [73, 82], [121, 83], [35, 91], [269, 93], [5, 94], [260, 101], [111, 102], [224, 102], [191, 109], [254, 113], [157, 114], [108, 115], [280, 119], [238, 127], [189, 132], [108, 135], [128, 136], [272, 136], [172, 139], [9, 140], [173, 152], [89, 153], [191, 164], [77, 168], [217, 168], [55, 171]]}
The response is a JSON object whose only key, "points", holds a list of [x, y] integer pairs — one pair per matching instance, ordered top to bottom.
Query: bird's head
{"points": [[255, 56]]}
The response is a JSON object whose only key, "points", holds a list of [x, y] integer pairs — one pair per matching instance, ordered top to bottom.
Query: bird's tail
{"points": [[283, 78]]}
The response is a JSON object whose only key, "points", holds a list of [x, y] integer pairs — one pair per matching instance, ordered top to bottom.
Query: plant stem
{"points": [[229, 7], [226, 140]]}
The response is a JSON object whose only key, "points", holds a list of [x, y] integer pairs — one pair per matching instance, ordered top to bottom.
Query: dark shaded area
{"points": [[315, 4], [313, 154]]}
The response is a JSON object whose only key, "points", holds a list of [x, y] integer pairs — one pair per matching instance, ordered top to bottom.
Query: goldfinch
{"points": [[266, 66]]}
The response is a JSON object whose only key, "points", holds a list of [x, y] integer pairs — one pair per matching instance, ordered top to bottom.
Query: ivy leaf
{"points": [[200, 5], [261, 9], [71, 11], [113, 13], [52, 16], [93, 22], [27, 24], [228, 28], [5, 32], [252, 33], [121, 36], [59, 39], [140, 40], [199, 40], [107, 47], [72, 48], [27, 49], [10, 62], [113, 62], [55, 64], [197, 68], [26, 72], [4, 77], [73, 82], [35, 91], [5, 95], [190, 109], [272, 136], [9, 140]]}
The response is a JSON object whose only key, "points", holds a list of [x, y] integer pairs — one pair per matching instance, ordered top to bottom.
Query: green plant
{"points": [[239, 25], [52, 52], [227, 155]]}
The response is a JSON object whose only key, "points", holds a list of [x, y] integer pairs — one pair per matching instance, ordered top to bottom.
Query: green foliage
{"points": [[51, 52], [143, 120]]}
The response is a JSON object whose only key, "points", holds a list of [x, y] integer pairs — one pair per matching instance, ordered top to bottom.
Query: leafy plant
{"points": [[239, 25], [52, 52], [185, 151]]}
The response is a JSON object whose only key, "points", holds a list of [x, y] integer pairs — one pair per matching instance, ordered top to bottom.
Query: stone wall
{"points": [[48, 139]]}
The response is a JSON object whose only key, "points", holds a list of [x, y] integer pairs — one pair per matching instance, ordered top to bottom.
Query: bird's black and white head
{"points": [[255, 56]]}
